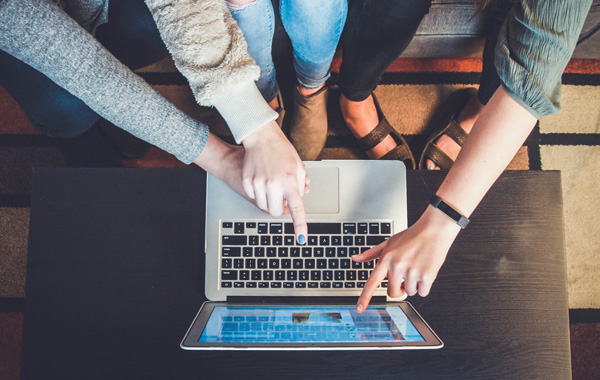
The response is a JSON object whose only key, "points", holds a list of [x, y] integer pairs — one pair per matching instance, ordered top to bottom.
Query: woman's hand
{"points": [[274, 176], [411, 259]]}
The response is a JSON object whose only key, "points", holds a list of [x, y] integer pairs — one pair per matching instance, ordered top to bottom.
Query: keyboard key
{"points": [[250, 224], [227, 225], [238, 228], [262, 228], [276, 228], [324, 228], [350, 228], [362, 228], [374, 228], [386, 228], [234, 240], [253, 240], [265, 240], [277, 240], [289, 240], [312, 240], [336, 240], [348, 240], [359, 240], [375, 240], [324, 241], [247, 251], [259, 251], [353, 251], [231, 252], [271, 252], [282, 252], [295, 252], [306, 252], [318, 252], [330, 252], [342, 252], [226, 263], [238, 263], [250, 263], [261, 263], [286, 263], [298, 263], [309, 263], [322, 263], [345, 263], [274, 264], [333, 264], [369, 264], [356, 265], [229, 275], [244, 275], [256, 275], [268, 275], [280, 275], [303, 275], [315, 275], [327, 275], [338, 275], [351, 275], [363, 275], [226, 284], [238, 284], [251, 284], [263, 285], [276, 285], [288, 285], [301, 285], [313, 285], [325, 285], [338, 285], [349, 285], [360, 285]]}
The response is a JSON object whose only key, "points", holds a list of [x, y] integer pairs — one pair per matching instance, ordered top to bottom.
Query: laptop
{"points": [[268, 292]]}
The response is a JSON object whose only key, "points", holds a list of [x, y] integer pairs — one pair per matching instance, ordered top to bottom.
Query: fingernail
{"points": [[431, 166], [302, 239], [360, 308]]}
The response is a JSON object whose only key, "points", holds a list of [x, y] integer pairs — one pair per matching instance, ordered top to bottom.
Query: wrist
{"points": [[262, 135], [439, 223]]}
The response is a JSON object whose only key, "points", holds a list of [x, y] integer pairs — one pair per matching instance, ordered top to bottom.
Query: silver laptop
{"points": [[269, 292]]}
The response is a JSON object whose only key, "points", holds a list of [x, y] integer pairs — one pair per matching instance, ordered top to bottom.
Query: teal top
{"points": [[534, 46]]}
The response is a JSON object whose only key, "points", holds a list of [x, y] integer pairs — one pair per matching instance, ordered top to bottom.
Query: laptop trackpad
{"points": [[323, 197]]}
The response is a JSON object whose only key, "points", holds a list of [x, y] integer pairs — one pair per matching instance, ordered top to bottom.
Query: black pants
{"points": [[378, 31]]}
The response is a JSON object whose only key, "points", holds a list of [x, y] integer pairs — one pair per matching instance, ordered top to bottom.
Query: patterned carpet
{"points": [[409, 95]]}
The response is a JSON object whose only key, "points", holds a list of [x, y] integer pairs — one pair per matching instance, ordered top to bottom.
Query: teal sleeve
{"points": [[534, 46]]}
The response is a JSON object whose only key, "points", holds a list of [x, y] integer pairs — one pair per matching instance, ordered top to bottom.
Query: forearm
{"points": [[41, 35], [209, 49], [495, 139]]}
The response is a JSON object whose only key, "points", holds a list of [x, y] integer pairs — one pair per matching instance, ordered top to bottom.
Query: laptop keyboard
{"points": [[258, 254]]}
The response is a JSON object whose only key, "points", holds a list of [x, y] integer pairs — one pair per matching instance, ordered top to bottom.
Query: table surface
{"points": [[115, 276]]}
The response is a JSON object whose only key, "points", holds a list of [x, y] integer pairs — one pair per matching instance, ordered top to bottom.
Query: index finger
{"points": [[295, 205], [371, 285]]}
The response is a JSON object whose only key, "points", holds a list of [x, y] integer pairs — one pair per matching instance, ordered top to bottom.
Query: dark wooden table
{"points": [[115, 274]]}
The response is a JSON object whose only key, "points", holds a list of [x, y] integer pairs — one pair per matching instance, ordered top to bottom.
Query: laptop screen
{"points": [[311, 324]]}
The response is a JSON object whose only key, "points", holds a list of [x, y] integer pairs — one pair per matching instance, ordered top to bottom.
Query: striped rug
{"points": [[409, 94]]}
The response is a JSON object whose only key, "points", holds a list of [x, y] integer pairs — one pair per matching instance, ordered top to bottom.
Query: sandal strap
{"points": [[455, 132], [376, 136], [400, 153], [438, 156]]}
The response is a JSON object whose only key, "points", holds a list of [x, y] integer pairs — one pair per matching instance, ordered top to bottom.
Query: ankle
{"points": [[309, 91], [361, 117]]}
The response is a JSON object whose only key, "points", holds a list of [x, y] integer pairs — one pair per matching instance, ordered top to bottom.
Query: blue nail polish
{"points": [[431, 166], [301, 239]]}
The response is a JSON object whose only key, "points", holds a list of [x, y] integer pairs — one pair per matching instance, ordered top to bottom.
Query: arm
{"points": [[533, 49], [210, 51]]}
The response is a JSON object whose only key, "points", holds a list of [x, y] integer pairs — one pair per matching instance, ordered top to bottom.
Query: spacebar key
{"points": [[324, 228], [234, 240]]}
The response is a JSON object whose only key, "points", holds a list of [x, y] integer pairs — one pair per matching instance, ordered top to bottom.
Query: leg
{"points": [[256, 19], [314, 29], [376, 34], [489, 83]]}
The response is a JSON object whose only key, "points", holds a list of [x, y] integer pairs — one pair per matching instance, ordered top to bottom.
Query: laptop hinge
{"points": [[378, 300]]}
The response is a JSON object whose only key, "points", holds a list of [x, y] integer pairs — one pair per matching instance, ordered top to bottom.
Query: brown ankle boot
{"points": [[308, 131]]}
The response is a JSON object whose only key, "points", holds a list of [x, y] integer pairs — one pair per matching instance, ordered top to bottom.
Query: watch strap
{"points": [[444, 207]]}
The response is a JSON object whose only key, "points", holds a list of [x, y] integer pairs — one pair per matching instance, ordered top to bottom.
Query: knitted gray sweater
{"points": [[218, 67]]}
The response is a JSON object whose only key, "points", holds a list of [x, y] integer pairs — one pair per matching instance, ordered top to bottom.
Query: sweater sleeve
{"points": [[41, 35], [209, 49], [533, 49]]}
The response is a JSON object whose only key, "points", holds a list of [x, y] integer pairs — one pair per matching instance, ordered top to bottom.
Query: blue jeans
{"points": [[314, 27], [130, 35]]}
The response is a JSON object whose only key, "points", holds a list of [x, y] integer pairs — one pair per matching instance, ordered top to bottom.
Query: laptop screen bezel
{"points": [[191, 339]]}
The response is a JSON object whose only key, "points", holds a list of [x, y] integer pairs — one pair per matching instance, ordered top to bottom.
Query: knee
{"points": [[61, 115]]}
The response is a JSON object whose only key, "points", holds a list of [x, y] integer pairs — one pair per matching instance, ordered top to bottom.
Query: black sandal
{"points": [[447, 115], [401, 152]]}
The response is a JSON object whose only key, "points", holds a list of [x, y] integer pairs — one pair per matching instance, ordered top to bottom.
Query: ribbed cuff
{"points": [[244, 110]]}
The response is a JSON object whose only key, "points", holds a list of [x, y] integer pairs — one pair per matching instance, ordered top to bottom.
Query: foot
{"points": [[361, 118], [466, 119], [308, 130]]}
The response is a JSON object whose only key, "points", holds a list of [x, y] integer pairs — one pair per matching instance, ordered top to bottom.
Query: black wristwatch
{"points": [[444, 207]]}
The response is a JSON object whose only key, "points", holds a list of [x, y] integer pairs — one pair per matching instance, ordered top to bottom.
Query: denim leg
{"points": [[257, 22], [314, 27], [377, 32], [131, 35], [490, 81], [50, 108]]}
